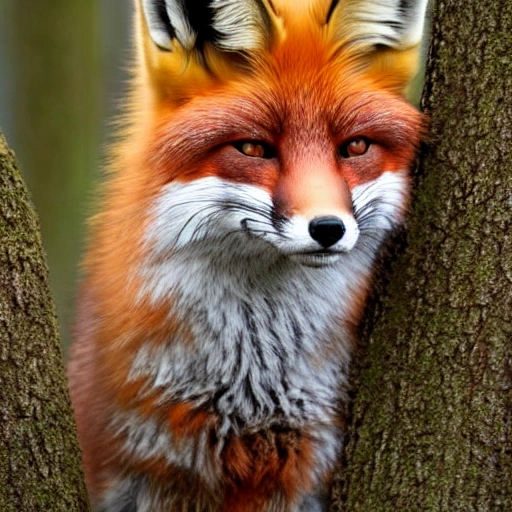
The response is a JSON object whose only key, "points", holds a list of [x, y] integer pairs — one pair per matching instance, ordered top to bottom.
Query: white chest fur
{"points": [[270, 340], [268, 345]]}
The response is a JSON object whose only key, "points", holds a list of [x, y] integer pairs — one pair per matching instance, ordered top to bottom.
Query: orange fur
{"points": [[185, 420], [260, 465]]}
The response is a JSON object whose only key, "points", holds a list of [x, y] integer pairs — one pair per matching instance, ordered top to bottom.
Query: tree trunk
{"points": [[432, 416], [40, 462]]}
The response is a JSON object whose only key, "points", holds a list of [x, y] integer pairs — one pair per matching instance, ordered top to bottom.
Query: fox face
{"points": [[302, 151], [265, 158], [306, 189]]}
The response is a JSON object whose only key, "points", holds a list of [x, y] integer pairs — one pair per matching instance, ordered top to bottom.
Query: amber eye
{"points": [[354, 147], [255, 149]]}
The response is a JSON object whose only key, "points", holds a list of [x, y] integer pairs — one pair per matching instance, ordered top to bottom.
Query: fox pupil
{"points": [[354, 147], [255, 149]]}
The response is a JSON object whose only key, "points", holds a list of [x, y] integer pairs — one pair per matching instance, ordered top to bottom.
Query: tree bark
{"points": [[432, 416], [40, 462]]}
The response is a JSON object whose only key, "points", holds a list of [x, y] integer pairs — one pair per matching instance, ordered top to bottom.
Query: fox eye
{"points": [[354, 147], [255, 149]]}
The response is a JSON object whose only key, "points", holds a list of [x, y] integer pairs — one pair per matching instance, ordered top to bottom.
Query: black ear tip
{"points": [[333, 5], [200, 15], [191, 22], [229, 25]]}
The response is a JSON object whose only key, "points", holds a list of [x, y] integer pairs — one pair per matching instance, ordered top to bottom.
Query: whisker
{"points": [[250, 208], [189, 220], [256, 221], [204, 224], [260, 231], [263, 231], [228, 235]]}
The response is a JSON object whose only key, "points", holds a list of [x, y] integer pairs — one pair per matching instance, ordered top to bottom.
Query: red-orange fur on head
{"points": [[301, 32], [277, 95], [305, 98]]}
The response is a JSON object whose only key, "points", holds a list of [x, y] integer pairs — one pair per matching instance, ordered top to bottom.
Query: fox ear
{"points": [[396, 24], [228, 25], [385, 34]]}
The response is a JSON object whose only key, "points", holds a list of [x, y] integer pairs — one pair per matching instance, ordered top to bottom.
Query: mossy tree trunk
{"points": [[432, 413], [40, 463]]}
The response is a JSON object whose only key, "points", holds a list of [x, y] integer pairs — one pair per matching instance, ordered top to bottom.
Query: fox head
{"points": [[277, 126]]}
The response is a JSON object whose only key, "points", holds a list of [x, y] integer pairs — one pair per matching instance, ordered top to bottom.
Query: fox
{"points": [[264, 157]]}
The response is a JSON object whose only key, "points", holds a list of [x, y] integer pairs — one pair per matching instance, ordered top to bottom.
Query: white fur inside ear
{"points": [[166, 18], [394, 23], [244, 25], [158, 31], [186, 36]]}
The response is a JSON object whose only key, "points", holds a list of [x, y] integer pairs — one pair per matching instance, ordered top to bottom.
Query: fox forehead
{"points": [[303, 81]]}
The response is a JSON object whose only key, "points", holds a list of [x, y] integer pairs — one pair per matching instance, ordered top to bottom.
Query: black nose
{"points": [[326, 230]]}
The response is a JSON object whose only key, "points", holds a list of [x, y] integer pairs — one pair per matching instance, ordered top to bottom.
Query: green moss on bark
{"points": [[432, 417], [40, 466]]}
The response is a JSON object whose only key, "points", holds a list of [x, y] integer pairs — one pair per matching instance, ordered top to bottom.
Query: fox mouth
{"points": [[322, 258]]}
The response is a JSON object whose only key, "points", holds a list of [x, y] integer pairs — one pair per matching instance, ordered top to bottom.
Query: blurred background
{"points": [[62, 73]]}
